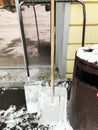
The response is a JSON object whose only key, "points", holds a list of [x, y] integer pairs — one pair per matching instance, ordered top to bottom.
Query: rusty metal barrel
{"points": [[83, 104]]}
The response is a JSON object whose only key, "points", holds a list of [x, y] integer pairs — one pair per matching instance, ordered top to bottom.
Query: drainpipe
{"points": [[62, 29]]}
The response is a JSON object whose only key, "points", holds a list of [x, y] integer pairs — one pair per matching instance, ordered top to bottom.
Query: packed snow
{"points": [[89, 53]]}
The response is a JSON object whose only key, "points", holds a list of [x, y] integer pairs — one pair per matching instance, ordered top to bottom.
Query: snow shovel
{"points": [[31, 89], [31, 96], [52, 104]]}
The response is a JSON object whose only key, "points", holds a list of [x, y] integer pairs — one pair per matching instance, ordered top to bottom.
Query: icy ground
{"points": [[17, 74], [13, 119]]}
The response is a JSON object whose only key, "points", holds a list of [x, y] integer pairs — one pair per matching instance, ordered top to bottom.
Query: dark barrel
{"points": [[83, 104]]}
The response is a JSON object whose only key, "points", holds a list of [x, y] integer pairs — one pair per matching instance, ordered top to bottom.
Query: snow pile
{"points": [[8, 18], [89, 53], [13, 119]]}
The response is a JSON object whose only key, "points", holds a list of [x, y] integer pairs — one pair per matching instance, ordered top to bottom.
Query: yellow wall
{"points": [[12, 2], [1, 3], [75, 30]]}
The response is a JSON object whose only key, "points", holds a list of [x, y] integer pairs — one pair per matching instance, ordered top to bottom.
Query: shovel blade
{"points": [[58, 91], [31, 96], [52, 105], [52, 110]]}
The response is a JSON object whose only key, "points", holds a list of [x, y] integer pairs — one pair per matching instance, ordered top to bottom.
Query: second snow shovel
{"points": [[32, 97]]}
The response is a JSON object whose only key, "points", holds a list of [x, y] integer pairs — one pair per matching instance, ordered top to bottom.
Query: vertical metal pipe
{"points": [[84, 21], [36, 25], [84, 25], [24, 41]]}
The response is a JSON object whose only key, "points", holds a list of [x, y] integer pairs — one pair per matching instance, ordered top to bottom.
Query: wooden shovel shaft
{"points": [[52, 43]]}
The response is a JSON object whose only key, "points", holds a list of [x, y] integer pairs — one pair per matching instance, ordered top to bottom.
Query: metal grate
{"points": [[47, 1]]}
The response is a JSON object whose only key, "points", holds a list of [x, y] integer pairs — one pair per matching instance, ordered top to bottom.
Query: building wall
{"points": [[12, 2], [2, 3], [75, 30]]}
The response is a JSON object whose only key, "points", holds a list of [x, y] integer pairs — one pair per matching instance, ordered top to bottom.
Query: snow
{"points": [[89, 53]]}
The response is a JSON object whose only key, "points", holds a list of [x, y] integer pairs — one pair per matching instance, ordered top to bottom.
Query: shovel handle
{"points": [[52, 43]]}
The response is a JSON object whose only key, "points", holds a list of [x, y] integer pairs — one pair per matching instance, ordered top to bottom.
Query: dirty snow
{"points": [[89, 53]]}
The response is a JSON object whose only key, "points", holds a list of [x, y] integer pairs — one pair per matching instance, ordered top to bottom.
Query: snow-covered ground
{"points": [[9, 29], [10, 38]]}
